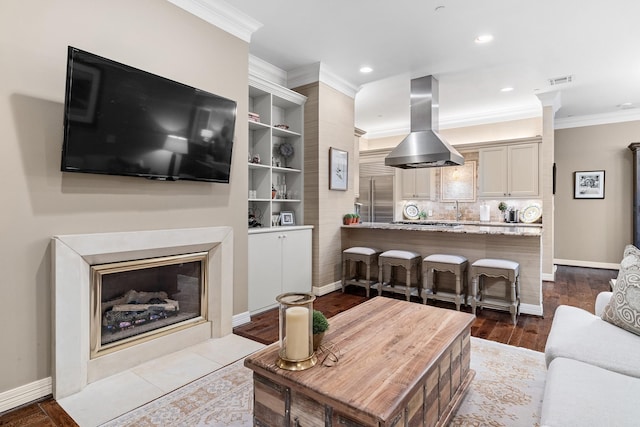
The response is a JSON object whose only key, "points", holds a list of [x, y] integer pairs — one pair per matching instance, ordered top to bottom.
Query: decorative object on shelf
{"points": [[254, 117], [281, 126], [283, 151], [255, 159], [338, 169], [458, 183], [588, 184], [273, 192], [502, 207], [411, 211], [531, 213], [287, 218], [350, 218], [275, 220], [320, 326], [296, 331]]}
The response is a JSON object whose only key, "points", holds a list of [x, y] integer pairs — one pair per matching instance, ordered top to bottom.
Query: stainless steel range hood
{"points": [[424, 147]]}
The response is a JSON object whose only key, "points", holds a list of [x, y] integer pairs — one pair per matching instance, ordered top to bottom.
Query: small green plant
{"points": [[502, 206], [320, 322]]}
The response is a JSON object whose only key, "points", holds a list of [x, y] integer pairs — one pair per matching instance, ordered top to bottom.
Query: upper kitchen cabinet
{"points": [[276, 152], [509, 171], [417, 183]]}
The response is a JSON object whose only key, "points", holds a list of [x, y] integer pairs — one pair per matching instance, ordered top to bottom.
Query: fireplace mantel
{"points": [[73, 256]]}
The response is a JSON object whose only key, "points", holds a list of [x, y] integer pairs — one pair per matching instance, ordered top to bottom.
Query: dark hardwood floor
{"points": [[574, 286]]}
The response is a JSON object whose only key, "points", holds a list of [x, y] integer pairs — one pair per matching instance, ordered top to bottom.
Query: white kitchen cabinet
{"points": [[509, 171], [417, 183], [279, 262]]}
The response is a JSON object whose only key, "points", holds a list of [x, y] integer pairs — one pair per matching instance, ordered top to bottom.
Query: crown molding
{"points": [[222, 15], [263, 69], [318, 72], [268, 86], [550, 99], [490, 117], [597, 119], [383, 133]]}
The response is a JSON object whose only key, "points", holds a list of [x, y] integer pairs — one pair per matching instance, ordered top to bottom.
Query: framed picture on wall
{"points": [[338, 169], [588, 185]]}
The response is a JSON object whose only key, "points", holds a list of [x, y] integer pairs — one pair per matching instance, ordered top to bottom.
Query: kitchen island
{"points": [[517, 242]]}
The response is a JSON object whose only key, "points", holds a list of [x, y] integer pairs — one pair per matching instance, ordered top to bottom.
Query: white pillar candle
{"points": [[297, 333]]}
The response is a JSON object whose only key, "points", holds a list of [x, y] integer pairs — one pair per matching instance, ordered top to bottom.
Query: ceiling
{"points": [[595, 42]]}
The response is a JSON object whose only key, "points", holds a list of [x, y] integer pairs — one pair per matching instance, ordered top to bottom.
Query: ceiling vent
{"points": [[560, 80]]}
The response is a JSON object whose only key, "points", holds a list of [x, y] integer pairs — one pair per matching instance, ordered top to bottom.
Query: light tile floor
{"points": [[111, 397]]}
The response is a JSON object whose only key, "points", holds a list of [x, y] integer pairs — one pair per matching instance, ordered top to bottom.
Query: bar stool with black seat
{"points": [[353, 257], [398, 258], [435, 288], [509, 298]]}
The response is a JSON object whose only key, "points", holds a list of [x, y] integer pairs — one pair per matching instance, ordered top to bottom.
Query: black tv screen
{"points": [[120, 120]]}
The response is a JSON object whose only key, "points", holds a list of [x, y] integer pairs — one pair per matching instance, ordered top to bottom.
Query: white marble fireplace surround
{"points": [[73, 256]]}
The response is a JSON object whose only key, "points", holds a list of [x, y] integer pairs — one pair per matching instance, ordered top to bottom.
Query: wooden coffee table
{"points": [[401, 363]]}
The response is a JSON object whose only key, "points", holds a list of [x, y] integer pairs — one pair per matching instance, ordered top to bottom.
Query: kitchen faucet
{"points": [[458, 215]]}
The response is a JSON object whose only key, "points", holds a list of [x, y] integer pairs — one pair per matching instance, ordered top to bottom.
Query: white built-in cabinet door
{"points": [[523, 170], [509, 171], [416, 183], [279, 262]]}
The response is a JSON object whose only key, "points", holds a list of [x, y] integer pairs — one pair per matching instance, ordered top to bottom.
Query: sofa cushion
{"points": [[623, 309], [577, 334], [579, 394]]}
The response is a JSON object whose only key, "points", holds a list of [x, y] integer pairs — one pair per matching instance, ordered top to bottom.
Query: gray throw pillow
{"points": [[623, 310]]}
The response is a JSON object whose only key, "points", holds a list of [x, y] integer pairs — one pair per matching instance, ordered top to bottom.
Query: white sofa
{"points": [[593, 376]]}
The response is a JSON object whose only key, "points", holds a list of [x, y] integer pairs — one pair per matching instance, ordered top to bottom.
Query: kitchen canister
{"points": [[485, 213]]}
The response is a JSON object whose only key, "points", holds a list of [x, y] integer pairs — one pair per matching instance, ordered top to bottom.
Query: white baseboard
{"points": [[589, 264], [549, 277], [327, 289], [536, 310], [241, 319], [24, 394]]}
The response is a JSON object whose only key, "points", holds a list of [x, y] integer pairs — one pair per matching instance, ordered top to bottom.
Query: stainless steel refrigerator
{"points": [[376, 196]]}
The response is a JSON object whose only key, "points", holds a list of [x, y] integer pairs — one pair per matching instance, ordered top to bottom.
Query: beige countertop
{"points": [[462, 227]]}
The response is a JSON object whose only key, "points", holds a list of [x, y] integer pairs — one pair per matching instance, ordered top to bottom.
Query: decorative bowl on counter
{"points": [[411, 211], [531, 213]]}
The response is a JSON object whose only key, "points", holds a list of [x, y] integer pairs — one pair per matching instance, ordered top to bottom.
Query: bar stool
{"points": [[353, 256], [399, 258], [437, 290], [510, 300]]}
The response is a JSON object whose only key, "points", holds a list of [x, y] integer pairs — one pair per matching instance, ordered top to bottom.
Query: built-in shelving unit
{"points": [[280, 127]]}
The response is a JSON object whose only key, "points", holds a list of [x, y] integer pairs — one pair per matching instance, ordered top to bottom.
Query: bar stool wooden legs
{"points": [[356, 255], [397, 258], [436, 263], [509, 299]]}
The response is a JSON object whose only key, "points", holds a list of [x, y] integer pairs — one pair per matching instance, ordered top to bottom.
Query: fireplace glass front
{"points": [[139, 300]]}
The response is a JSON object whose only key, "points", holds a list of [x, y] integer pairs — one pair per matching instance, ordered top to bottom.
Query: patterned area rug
{"points": [[507, 391]]}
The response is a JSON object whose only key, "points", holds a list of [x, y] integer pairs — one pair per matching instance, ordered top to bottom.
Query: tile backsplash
{"points": [[469, 210]]}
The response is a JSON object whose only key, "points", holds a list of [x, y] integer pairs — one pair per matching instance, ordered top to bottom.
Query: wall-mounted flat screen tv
{"points": [[119, 120]]}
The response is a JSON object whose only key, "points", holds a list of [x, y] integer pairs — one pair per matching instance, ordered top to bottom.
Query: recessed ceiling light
{"points": [[484, 38], [366, 69], [506, 89], [626, 105]]}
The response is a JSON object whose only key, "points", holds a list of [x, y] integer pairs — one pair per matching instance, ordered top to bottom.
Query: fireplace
{"points": [[163, 290], [134, 301]]}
